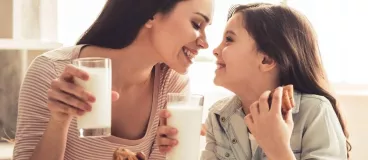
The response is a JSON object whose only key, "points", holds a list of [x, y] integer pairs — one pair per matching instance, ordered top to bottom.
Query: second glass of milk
{"points": [[186, 116], [96, 123]]}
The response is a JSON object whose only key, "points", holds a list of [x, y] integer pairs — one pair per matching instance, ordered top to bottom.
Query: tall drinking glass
{"points": [[186, 116], [96, 123]]}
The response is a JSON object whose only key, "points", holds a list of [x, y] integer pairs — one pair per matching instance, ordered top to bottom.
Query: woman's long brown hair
{"points": [[120, 21], [288, 37]]}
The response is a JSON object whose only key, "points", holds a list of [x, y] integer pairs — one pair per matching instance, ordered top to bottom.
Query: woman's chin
{"points": [[178, 67], [181, 69]]}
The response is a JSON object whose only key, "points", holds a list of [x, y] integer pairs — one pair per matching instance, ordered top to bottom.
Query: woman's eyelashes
{"points": [[196, 26]]}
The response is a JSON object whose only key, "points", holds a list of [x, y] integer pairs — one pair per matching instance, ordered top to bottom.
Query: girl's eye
{"points": [[228, 39]]}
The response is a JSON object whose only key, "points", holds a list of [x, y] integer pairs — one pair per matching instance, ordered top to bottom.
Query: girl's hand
{"points": [[271, 130]]}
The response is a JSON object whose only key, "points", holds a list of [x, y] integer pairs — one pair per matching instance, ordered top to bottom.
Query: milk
{"points": [[99, 85], [187, 120]]}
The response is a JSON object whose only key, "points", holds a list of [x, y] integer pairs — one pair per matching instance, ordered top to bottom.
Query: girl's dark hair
{"points": [[118, 24], [287, 36]]}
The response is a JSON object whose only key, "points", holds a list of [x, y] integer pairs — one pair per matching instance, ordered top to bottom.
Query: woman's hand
{"points": [[66, 99], [203, 130], [271, 130], [164, 132], [165, 144]]}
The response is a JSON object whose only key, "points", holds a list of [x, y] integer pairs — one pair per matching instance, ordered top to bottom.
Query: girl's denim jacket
{"points": [[317, 133]]}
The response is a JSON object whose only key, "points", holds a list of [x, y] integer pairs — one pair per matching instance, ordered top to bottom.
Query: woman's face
{"points": [[178, 35], [238, 60]]}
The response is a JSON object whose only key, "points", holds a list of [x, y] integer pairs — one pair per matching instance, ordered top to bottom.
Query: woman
{"points": [[149, 42], [272, 46]]}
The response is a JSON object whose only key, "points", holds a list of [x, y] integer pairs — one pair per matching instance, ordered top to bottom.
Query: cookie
{"points": [[287, 98], [125, 154]]}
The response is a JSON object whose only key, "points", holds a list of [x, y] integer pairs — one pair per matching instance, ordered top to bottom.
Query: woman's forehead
{"points": [[202, 7]]}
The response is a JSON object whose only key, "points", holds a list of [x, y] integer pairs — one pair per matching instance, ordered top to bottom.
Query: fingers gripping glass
{"points": [[96, 123]]}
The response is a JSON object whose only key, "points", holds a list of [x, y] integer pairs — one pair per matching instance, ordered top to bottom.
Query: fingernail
{"points": [[85, 77], [91, 99], [88, 107], [174, 130], [175, 142]]}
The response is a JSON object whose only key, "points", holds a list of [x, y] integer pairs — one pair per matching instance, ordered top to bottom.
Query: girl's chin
{"points": [[217, 81]]}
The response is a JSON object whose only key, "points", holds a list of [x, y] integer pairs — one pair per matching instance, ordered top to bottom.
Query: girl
{"points": [[266, 46]]}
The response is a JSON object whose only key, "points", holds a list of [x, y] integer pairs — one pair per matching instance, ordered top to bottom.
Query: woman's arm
{"points": [[43, 96], [33, 126], [53, 143]]}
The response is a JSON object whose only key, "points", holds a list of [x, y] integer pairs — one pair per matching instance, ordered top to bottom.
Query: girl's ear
{"points": [[267, 63]]}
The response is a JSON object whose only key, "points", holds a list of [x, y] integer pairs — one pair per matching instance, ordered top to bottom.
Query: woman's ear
{"points": [[149, 23], [267, 63]]}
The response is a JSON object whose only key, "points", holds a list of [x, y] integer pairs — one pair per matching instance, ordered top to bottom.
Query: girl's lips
{"points": [[220, 65]]}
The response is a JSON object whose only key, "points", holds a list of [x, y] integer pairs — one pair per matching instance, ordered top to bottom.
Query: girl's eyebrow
{"points": [[230, 32]]}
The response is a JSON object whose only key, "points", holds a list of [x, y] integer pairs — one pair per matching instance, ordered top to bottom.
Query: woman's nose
{"points": [[202, 43]]}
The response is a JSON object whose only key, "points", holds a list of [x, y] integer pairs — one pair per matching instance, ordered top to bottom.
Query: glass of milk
{"points": [[186, 116], [96, 123]]}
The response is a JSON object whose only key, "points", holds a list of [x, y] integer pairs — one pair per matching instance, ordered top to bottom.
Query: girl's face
{"points": [[237, 57]]}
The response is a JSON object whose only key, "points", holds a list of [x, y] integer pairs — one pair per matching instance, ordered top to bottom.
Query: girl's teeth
{"points": [[219, 66]]}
